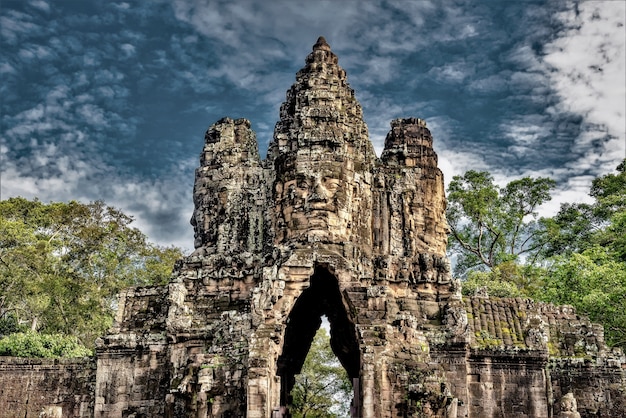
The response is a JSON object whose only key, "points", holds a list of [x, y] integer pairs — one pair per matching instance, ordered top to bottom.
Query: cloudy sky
{"points": [[110, 100]]}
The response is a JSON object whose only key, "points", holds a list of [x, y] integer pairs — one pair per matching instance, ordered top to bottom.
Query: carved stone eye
{"points": [[330, 183], [303, 184]]}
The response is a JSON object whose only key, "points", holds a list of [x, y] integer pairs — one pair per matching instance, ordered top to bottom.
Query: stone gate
{"points": [[323, 226]]}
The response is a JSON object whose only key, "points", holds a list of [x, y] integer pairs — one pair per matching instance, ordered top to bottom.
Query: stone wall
{"points": [[133, 375], [504, 383], [593, 383], [46, 387]]}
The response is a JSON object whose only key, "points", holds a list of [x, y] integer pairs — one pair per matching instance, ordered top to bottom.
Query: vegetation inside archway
{"points": [[323, 388]]}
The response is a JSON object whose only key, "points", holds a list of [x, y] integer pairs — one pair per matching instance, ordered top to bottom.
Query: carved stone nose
{"points": [[319, 193], [316, 197]]}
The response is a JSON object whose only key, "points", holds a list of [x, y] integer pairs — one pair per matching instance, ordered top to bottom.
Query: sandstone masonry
{"points": [[324, 227], [47, 388]]}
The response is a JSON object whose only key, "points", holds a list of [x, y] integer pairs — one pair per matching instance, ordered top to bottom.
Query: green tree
{"points": [[609, 192], [492, 225], [581, 226], [571, 229], [582, 249], [587, 249], [62, 265], [507, 280], [594, 283], [32, 344], [322, 389]]}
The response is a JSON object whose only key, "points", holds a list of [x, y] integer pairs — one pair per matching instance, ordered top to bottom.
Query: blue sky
{"points": [[110, 100]]}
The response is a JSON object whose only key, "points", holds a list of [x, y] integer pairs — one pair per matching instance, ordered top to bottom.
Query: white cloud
{"points": [[41, 5], [121, 6], [15, 24], [255, 34], [257, 47], [128, 50], [39, 52], [523, 56], [6, 68], [378, 70], [587, 70], [455, 72], [583, 73], [108, 76], [489, 84], [379, 111], [93, 115], [526, 133], [453, 163], [20, 178], [575, 190], [162, 208]]}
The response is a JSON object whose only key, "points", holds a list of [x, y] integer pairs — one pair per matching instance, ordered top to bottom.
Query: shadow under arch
{"points": [[322, 297]]}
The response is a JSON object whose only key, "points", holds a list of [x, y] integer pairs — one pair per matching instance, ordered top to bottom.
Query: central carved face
{"points": [[316, 191], [314, 201]]}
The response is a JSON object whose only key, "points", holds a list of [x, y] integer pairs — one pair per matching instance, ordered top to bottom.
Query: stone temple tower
{"points": [[323, 227]]}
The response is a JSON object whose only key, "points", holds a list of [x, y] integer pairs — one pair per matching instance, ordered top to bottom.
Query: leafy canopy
{"points": [[492, 225], [580, 226], [586, 250], [577, 257], [62, 264], [507, 280], [595, 284], [32, 344], [322, 389]]}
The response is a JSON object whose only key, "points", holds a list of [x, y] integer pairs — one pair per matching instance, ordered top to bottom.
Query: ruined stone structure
{"points": [[323, 227], [46, 388]]}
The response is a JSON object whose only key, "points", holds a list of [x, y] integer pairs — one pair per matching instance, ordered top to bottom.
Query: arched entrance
{"points": [[321, 298]]}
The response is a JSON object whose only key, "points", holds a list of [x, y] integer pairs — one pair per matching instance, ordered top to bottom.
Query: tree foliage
{"points": [[492, 225], [581, 226], [571, 229], [581, 250], [587, 256], [62, 264], [507, 280], [595, 284], [32, 344], [322, 389]]}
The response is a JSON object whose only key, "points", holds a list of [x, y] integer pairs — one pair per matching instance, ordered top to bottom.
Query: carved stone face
{"points": [[314, 201], [568, 403]]}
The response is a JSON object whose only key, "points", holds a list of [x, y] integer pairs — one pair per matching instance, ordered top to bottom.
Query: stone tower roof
{"points": [[320, 112]]}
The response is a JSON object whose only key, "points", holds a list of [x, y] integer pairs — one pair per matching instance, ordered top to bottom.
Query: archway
{"points": [[323, 297]]}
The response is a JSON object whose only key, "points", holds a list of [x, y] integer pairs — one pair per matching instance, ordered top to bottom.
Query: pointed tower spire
{"points": [[321, 44], [320, 112]]}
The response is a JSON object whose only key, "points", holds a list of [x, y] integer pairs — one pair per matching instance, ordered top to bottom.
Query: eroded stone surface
{"points": [[324, 227], [47, 388]]}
